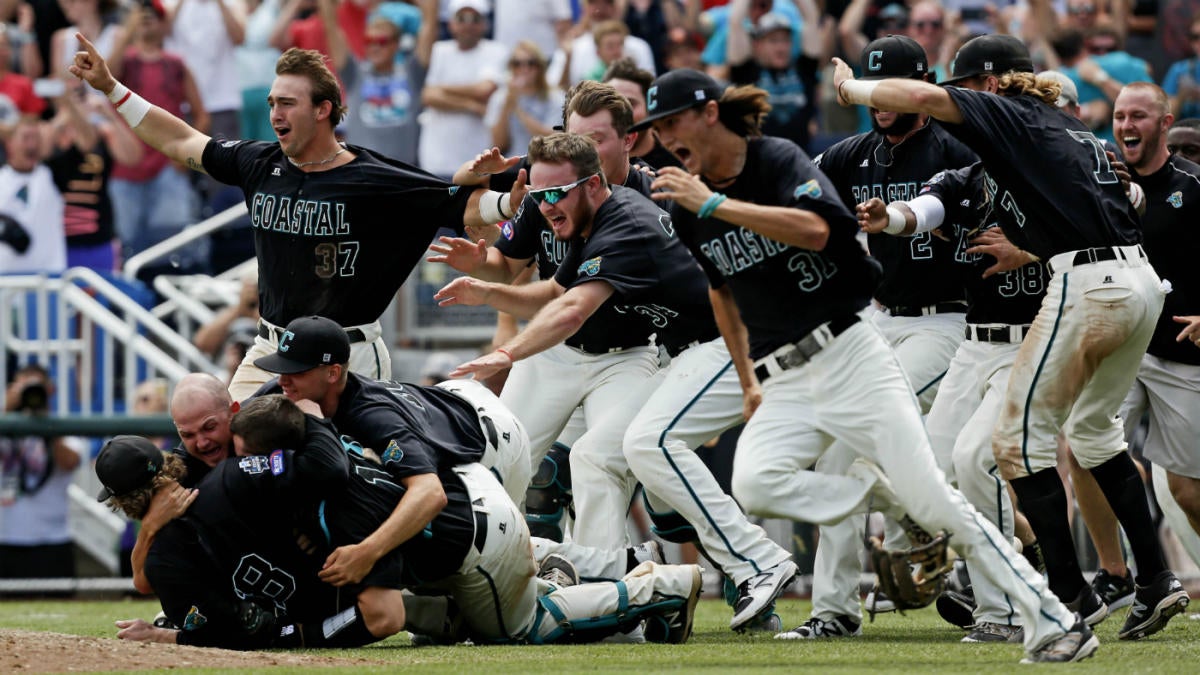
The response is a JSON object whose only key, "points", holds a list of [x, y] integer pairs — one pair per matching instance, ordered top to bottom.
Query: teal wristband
{"points": [[710, 205]]}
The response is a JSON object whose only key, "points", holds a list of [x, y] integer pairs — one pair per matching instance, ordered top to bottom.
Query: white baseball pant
{"points": [[508, 456]]}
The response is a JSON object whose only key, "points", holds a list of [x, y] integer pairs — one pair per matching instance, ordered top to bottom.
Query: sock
{"points": [[1126, 494], [1044, 503], [344, 629]]}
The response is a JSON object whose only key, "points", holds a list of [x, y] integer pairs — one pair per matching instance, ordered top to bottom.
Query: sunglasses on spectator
{"points": [[1082, 9], [922, 25], [517, 63], [554, 195]]}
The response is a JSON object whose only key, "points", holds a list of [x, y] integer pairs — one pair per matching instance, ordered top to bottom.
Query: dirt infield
{"points": [[24, 651]]}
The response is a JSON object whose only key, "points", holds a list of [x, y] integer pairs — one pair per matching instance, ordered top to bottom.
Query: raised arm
{"points": [[737, 45], [895, 94], [158, 128]]}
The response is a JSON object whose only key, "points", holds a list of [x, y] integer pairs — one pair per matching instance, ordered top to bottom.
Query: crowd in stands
{"points": [[433, 82]]}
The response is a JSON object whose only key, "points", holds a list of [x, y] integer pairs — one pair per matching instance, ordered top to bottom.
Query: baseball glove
{"points": [[915, 577]]}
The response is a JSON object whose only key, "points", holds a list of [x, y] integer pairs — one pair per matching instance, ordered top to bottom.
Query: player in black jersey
{"points": [[337, 228], [789, 281], [920, 299], [1082, 353]]}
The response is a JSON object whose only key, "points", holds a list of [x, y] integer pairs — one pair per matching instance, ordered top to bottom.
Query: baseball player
{"points": [[324, 214], [789, 281], [920, 299], [1103, 299]]}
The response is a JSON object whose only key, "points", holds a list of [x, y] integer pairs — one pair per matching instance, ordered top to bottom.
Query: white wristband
{"points": [[857, 91], [129, 105], [489, 207], [896, 221]]}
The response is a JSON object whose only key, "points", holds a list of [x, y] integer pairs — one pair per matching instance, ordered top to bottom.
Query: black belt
{"points": [[1099, 254], [953, 307], [271, 332], [1010, 334], [676, 350], [803, 350], [598, 351], [480, 530]]}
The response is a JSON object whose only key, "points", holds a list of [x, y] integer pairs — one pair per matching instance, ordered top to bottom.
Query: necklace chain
{"points": [[317, 162]]}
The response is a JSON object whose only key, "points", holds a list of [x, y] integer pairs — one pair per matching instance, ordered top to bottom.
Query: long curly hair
{"points": [[1028, 84], [136, 503]]}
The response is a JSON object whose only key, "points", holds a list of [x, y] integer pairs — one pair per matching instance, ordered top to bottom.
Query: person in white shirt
{"points": [[570, 67], [30, 203]]}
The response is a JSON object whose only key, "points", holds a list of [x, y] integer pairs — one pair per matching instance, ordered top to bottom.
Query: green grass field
{"points": [[919, 641]]}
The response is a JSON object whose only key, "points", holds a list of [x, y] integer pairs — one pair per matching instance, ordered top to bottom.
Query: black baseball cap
{"points": [[990, 55], [894, 56], [678, 90], [306, 343], [125, 464]]}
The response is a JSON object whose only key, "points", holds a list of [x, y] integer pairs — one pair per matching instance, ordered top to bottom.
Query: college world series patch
{"points": [[810, 189], [590, 267], [254, 464]]}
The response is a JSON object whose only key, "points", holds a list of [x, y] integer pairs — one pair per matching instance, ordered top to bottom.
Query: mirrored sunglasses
{"points": [[553, 195]]}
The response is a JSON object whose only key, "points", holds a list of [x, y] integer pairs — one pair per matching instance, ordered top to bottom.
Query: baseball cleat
{"points": [[648, 550], [558, 571], [1116, 592], [758, 593], [1089, 605], [1153, 606], [679, 622], [842, 625], [986, 631], [1076, 644]]}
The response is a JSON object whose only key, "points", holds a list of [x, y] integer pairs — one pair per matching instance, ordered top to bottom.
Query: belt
{"points": [[1086, 256], [953, 307], [270, 332], [997, 332], [598, 351], [674, 351], [800, 352], [481, 526]]}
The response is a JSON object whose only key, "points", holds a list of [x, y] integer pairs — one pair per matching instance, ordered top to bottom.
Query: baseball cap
{"points": [[481, 6], [769, 22], [990, 55], [894, 56], [675, 91], [1069, 94], [306, 343], [125, 464]]}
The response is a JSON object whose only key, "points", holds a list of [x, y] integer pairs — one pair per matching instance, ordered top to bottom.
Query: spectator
{"points": [[1081, 14], [48, 17], [88, 17], [976, 17], [651, 20], [545, 23], [299, 25], [927, 25], [206, 34], [609, 38], [22, 39], [683, 50], [714, 56], [255, 59], [763, 59], [572, 62], [1100, 68], [464, 72], [1182, 82], [16, 90], [383, 90], [526, 106], [85, 137], [1183, 139], [155, 200], [31, 209], [211, 337], [35, 472]]}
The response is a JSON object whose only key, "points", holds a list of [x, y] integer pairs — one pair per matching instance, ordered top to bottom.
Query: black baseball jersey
{"points": [[1054, 185], [1172, 238], [335, 243], [632, 246], [918, 270], [783, 292], [1012, 297], [414, 429]]}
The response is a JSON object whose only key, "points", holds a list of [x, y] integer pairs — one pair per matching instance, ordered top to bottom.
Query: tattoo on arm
{"points": [[194, 164]]}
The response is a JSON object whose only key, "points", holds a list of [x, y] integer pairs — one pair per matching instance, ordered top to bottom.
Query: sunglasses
{"points": [[1082, 9], [922, 25], [528, 63], [554, 195]]}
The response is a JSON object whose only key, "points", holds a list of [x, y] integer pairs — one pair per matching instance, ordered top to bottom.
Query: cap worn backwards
{"points": [[990, 55], [894, 56], [676, 91], [306, 343], [125, 464]]}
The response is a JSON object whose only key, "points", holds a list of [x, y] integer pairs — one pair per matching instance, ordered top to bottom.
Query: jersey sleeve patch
{"points": [[810, 188], [1176, 199], [507, 229], [590, 267], [392, 453], [276, 462], [254, 464], [194, 619]]}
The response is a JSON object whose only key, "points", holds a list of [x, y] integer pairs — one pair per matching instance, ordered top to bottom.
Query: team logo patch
{"points": [[875, 60], [652, 99], [453, 189], [810, 189], [1176, 199], [507, 230], [590, 267], [285, 340], [393, 453], [276, 462], [254, 464], [194, 619]]}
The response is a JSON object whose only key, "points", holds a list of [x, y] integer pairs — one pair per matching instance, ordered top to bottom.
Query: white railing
{"points": [[168, 246]]}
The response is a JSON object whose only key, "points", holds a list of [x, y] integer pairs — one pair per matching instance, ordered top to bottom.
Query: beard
{"points": [[904, 123]]}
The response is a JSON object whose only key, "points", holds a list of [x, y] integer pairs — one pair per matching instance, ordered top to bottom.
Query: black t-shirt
{"points": [[793, 95], [1047, 172], [82, 178], [1172, 240], [335, 243], [633, 247], [918, 270], [783, 292], [1012, 297], [414, 429]]}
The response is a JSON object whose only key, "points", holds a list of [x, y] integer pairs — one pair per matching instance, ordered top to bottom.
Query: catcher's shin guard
{"points": [[549, 494], [669, 525], [915, 577]]}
